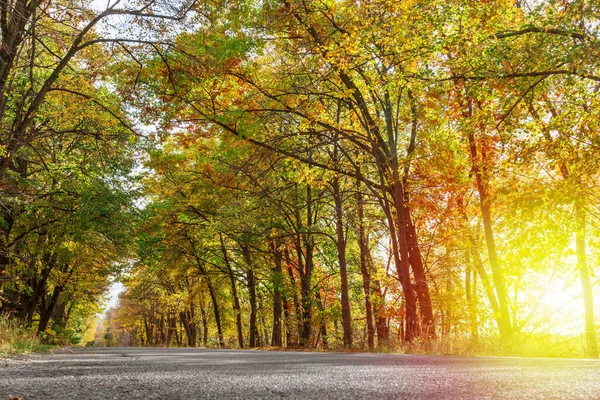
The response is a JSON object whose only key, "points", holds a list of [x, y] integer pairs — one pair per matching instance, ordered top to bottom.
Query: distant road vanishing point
{"points": [[152, 373]]}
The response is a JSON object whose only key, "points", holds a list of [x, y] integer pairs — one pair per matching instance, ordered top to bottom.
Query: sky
{"points": [[113, 295]]}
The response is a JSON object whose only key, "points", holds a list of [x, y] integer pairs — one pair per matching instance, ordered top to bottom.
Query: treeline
{"points": [[67, 149], [327, 174], [367, 174], [255, 260]]}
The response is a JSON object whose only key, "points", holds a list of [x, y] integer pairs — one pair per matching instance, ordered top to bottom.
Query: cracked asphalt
{"points": [[152, 373]]}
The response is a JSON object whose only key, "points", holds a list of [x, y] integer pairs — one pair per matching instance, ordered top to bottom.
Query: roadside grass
{"points": [[16, 339], [519, 345]]}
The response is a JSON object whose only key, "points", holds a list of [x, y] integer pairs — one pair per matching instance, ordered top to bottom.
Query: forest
{"points": [[379, 175]]}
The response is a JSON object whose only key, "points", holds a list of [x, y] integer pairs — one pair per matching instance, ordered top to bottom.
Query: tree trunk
{"points": [[478, 165], [397, 228], [363, 244], [341, 250], [414, 252], [479, 269], [306, 273], [38, 286], [421, 286], [211, 291], [252, 292], [234, 293], [306, 295], [588, 296], [471, 297], [296, 301], [215, 304], [47, 310], [204, 319], [288, 323], [263, 324], [172, 327], [193, 327], [323, 329], [161, 330], [190, 330], [147, 331], [276, 337], [383, 337]]}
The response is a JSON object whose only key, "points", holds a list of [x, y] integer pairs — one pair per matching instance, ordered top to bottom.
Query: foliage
{"points": [[451, 119], [413, 176], [17, 339]]}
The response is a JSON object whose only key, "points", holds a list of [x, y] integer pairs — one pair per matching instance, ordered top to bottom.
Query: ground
{"points": [[148, 373]]}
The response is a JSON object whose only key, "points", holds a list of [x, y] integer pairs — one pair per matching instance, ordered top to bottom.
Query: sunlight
{"points": [[562, 306]]}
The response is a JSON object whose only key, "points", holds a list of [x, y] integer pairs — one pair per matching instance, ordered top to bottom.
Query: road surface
{"points": [[144, 373]]}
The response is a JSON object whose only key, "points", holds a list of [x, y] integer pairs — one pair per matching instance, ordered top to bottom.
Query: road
{"points": [[144, 373]]}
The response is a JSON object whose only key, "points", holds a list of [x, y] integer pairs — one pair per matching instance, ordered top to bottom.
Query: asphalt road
{"points": [[143, 373]]}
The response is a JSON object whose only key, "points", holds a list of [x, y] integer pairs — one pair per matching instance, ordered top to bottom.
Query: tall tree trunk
{"points": [[478, 168], [8, 219], [396, 220], [397, 228], [363, 244], [341, 250], [414, 252], [475, 257], [306, 274], [38, 286], [421, 286], [211, 291], [252, 292], [234, 293], [306, 295], [588, 296], [471, 297], [296, 301], [215, 303], [46, 310], [68, 312], [204, 319], [183, 320], [263, 323], [288, 323], [171, 324], [188, 325], [193, 326], [323, 329], [161, 330], [176, 331], [148, 332], [276, 337], [383, 337]]}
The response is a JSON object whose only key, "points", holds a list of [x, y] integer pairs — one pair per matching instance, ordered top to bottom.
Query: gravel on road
{"points": [[152, 373]]}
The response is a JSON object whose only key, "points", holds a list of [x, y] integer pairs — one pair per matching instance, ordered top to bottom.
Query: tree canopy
{"points": [[322, 174]]}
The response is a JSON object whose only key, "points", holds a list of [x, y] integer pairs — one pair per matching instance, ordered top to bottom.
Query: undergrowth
{"points": [[16, 339], [519, 345]]}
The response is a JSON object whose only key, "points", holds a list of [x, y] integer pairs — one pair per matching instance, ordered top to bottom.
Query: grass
{"points": [[16, 339], [519, 345]]}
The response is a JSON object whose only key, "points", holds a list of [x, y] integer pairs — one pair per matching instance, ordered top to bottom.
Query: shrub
{"points": [[17, 339]]}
